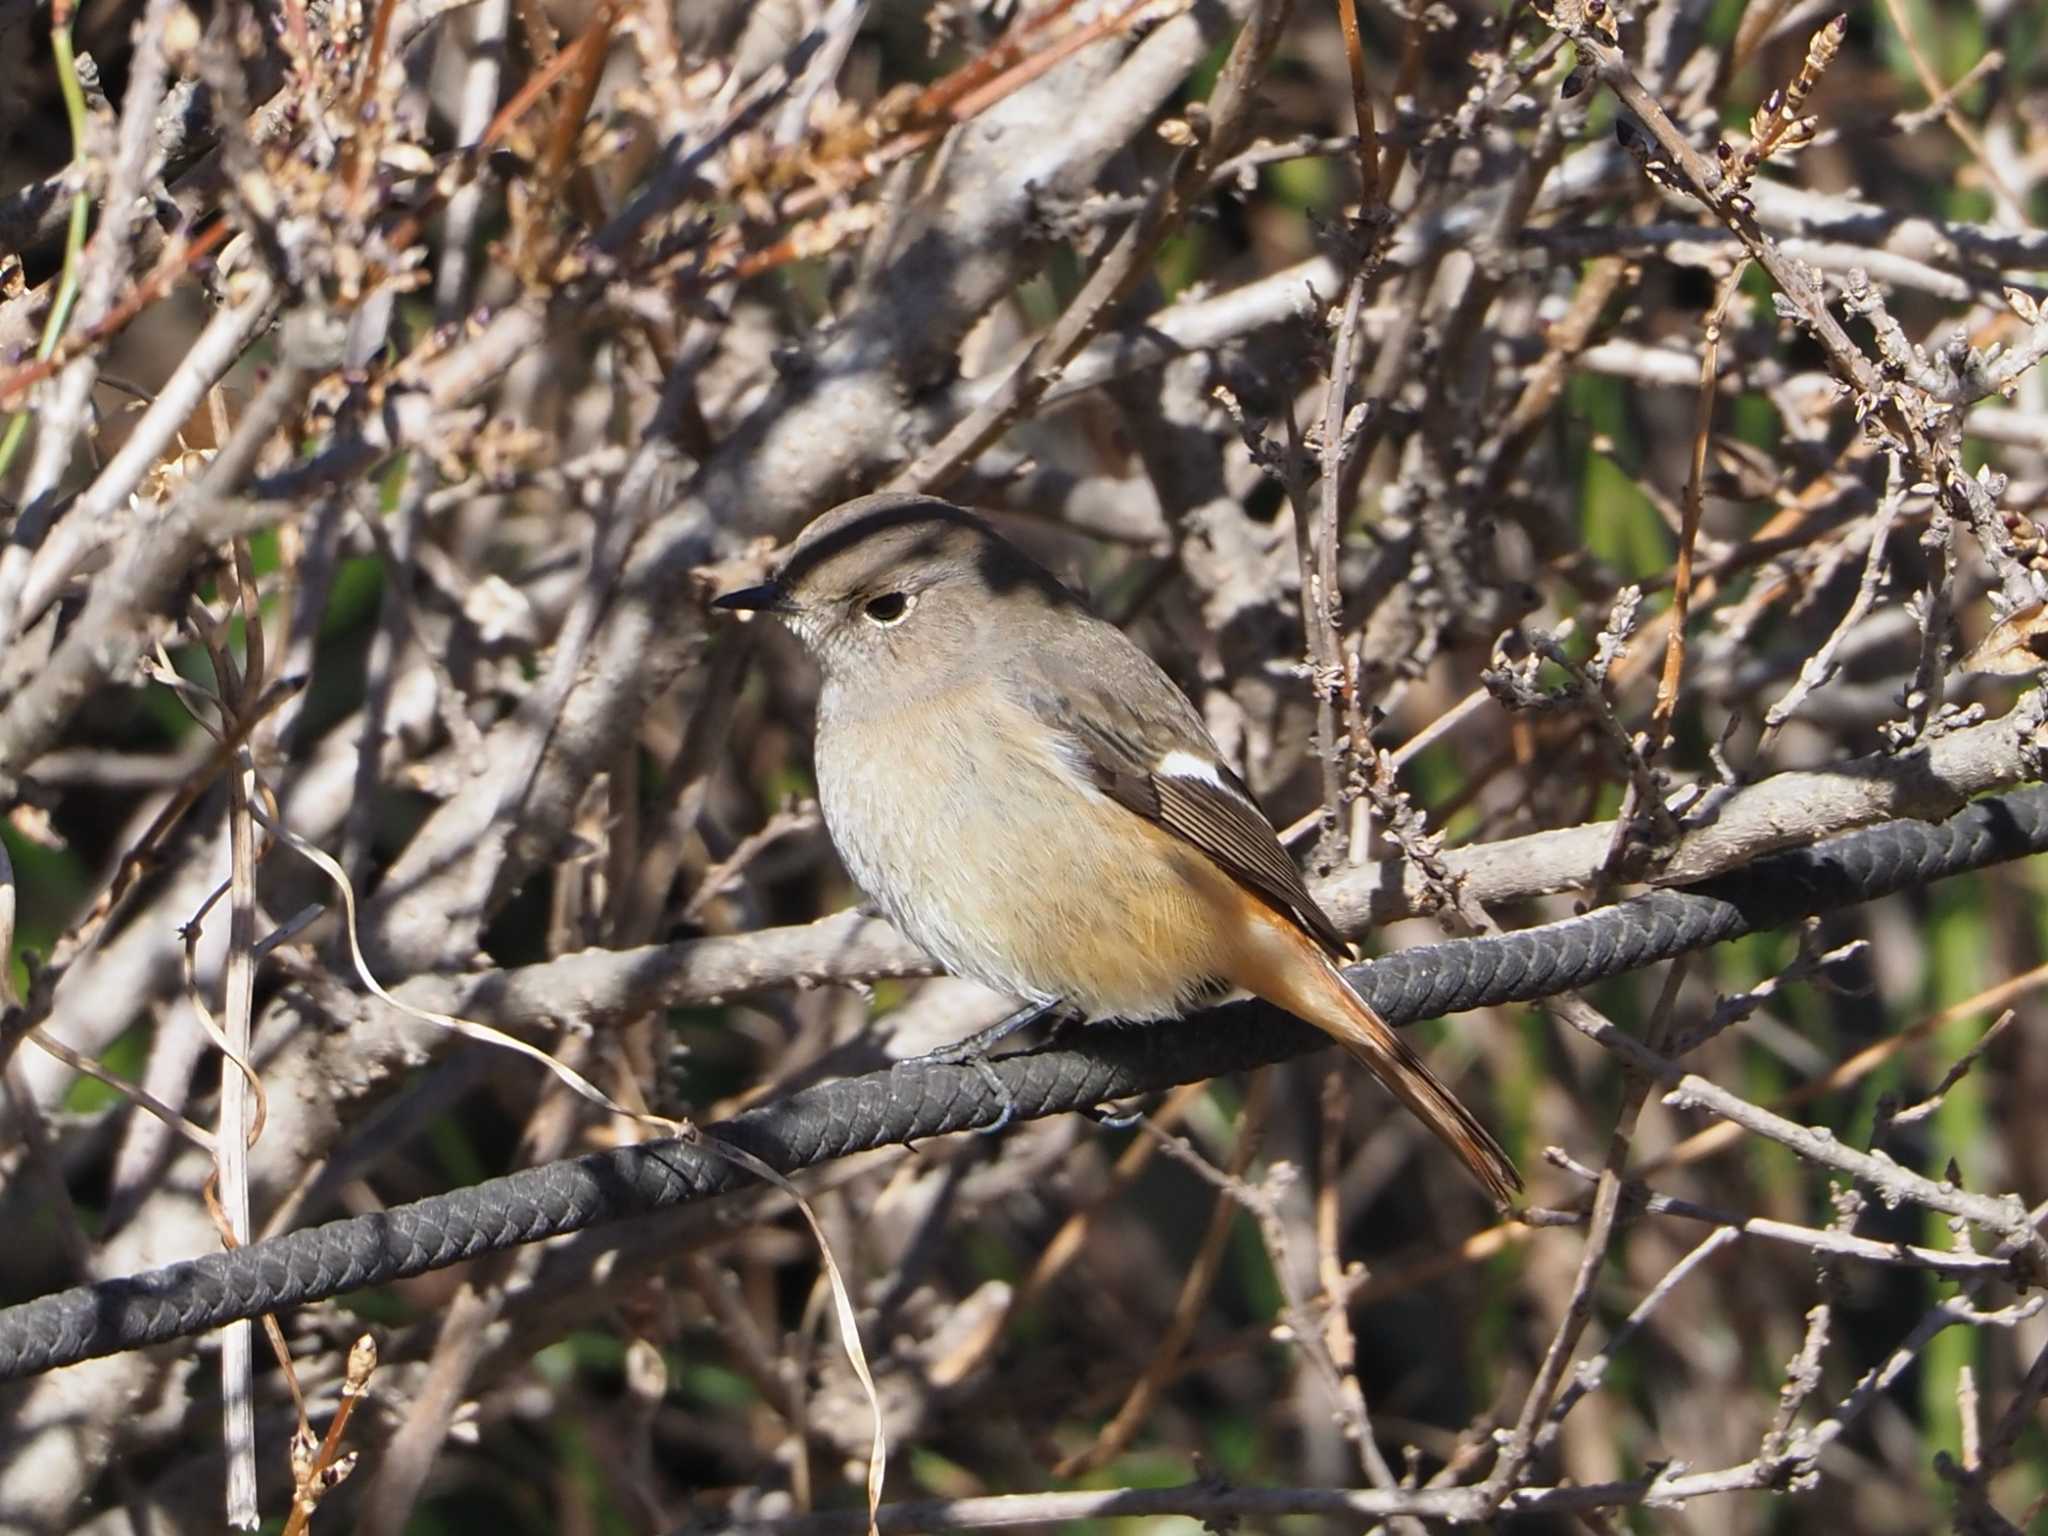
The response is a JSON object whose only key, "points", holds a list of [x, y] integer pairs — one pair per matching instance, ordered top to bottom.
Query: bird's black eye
{"points": [[887, 608]]}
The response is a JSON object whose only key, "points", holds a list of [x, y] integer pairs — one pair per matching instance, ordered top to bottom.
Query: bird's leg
{"points": [[982, 1041], [973, 1052]]}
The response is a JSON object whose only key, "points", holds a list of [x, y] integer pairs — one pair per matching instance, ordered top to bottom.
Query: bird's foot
{"points": [[973, 1052], [1113, 1120]]}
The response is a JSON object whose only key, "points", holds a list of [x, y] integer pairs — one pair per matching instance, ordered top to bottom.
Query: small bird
{"points": [[1029, 797]]}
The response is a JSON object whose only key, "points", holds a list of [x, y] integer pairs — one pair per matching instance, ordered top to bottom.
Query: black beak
{"points": [[767, 598]]}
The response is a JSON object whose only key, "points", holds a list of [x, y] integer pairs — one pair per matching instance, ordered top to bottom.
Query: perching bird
{"points": [[1030, 798]]}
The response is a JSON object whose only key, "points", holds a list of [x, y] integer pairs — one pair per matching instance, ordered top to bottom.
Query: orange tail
{"points": [[1308, 986]]}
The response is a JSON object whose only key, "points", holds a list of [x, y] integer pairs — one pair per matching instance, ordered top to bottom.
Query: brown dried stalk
{"points": [[1778, 126]]}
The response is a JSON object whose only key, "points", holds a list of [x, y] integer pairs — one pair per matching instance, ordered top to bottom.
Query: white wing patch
{"points": [[1186, 765]]}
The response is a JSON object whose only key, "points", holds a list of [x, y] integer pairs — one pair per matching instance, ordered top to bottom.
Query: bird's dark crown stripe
{"points": [[808, 556], [1003, 567]]}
